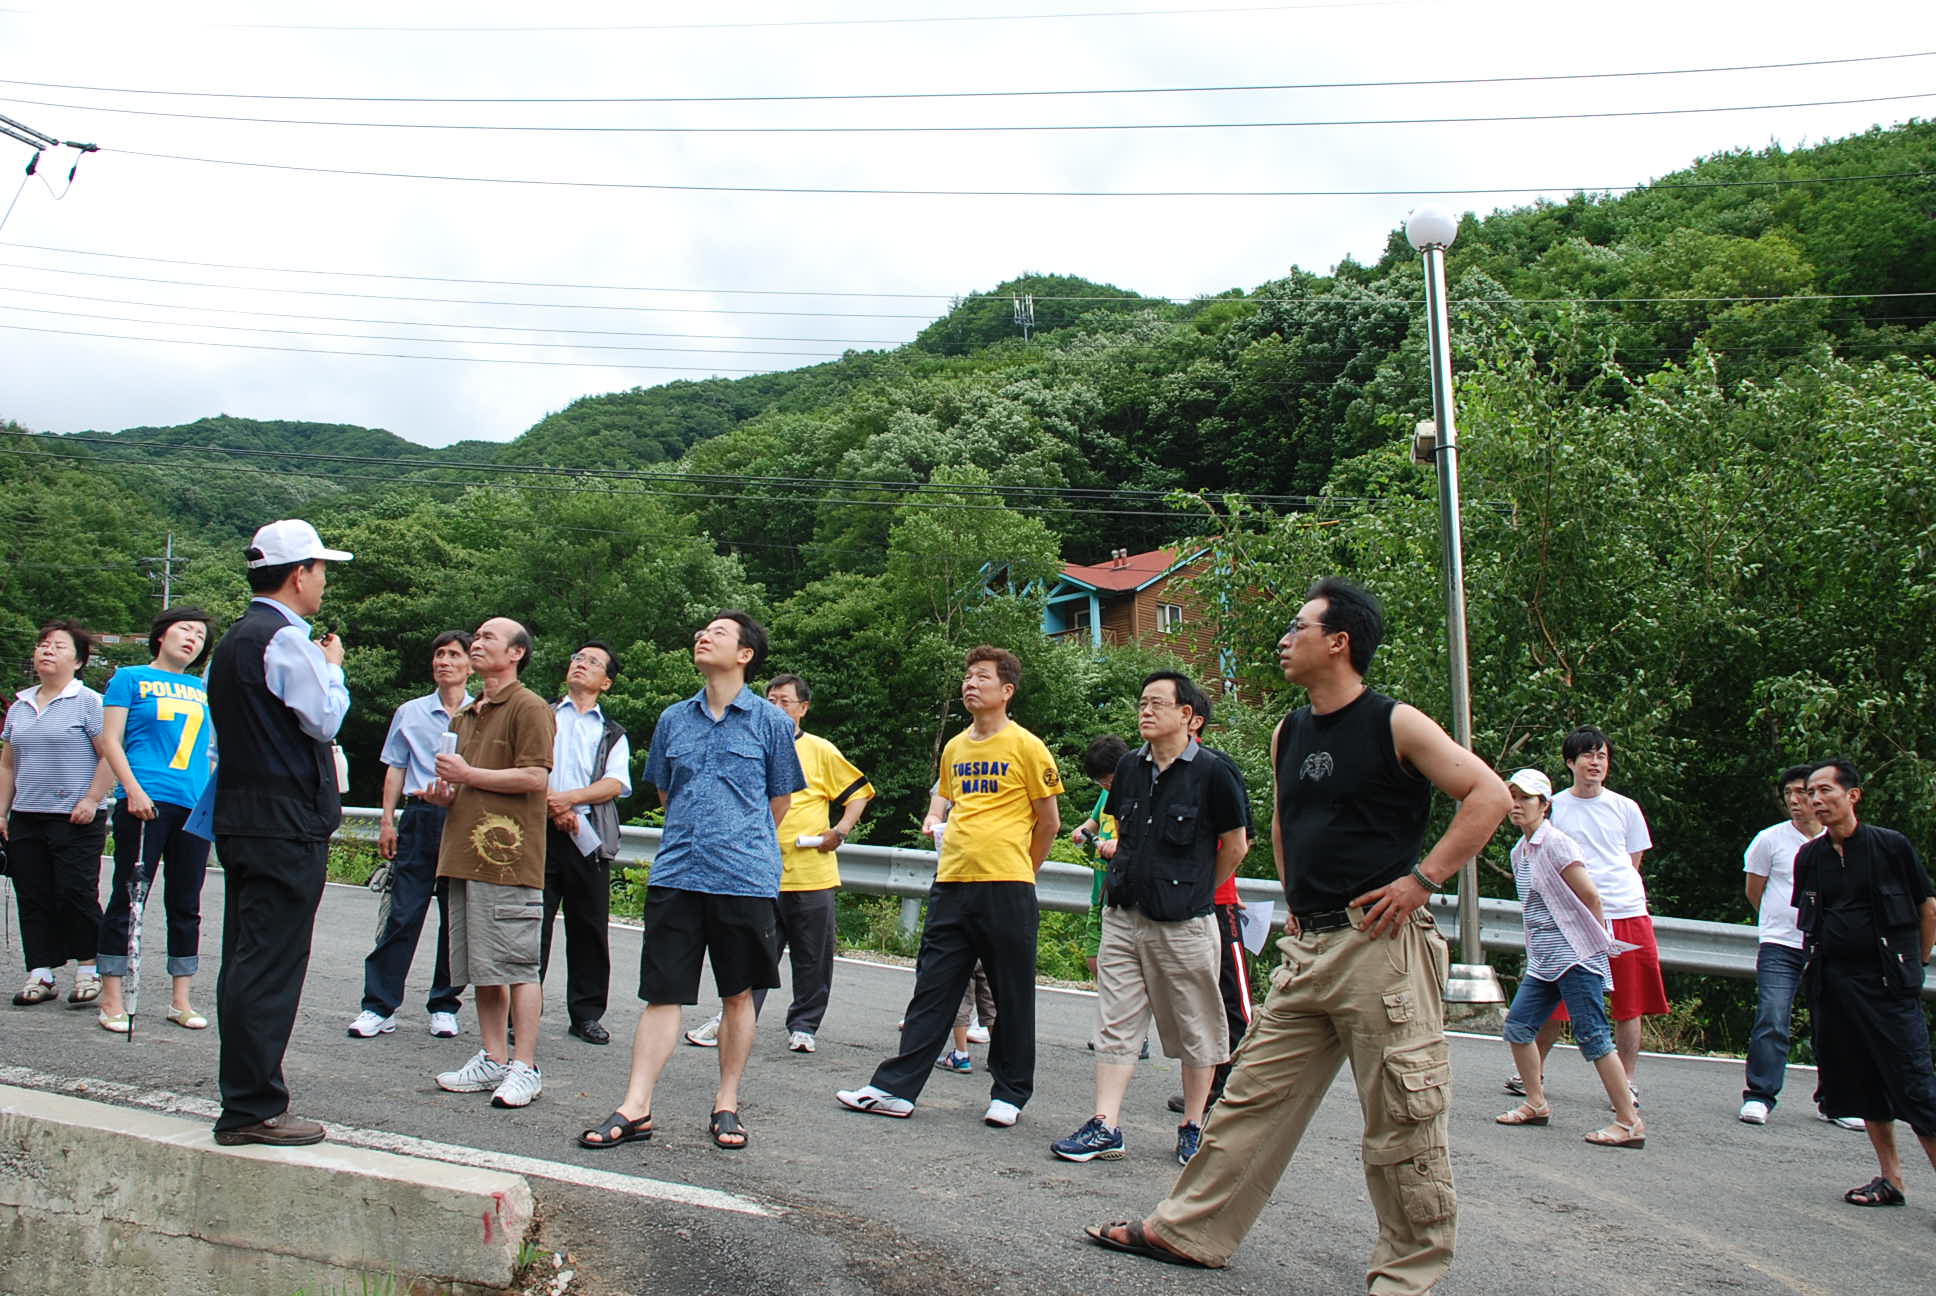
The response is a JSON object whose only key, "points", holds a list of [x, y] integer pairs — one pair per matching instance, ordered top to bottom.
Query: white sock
{"points": [[86, 969], [42, 974]]}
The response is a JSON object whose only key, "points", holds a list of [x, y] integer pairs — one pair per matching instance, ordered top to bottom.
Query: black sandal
{"points": [[725, 1125], [616, 1129], [1877, 1192], [1137, 1241]]}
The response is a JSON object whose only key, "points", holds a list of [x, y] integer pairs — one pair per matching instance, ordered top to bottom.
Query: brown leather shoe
{"points": [[278, 1131]]}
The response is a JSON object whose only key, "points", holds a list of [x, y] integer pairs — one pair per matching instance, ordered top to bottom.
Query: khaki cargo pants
{"points": [[1338, 995]]}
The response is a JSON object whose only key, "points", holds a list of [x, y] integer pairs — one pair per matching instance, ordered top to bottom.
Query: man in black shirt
{"points": [[1180, 833], [1868, 918], [1364, 967]]}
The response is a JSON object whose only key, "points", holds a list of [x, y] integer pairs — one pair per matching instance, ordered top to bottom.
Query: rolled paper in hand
{"points": [[809, 843]]}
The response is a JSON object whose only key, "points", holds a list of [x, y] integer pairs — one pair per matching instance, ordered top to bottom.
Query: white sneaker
{"points": [[368, 1025], [443, 1025], [706, 1034], [977, 1034], [800, 1042], [475, 1076], [520, 1087], [878, 1101], [1754, 1112], [1001, 1114], [1845, 1122]]}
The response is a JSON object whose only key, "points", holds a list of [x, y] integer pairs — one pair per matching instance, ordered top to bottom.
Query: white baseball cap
{"points": [[291, 540], [1532, 783]]}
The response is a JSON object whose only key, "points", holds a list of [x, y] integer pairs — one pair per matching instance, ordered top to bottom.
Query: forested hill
{"points": [[1699, 431]]}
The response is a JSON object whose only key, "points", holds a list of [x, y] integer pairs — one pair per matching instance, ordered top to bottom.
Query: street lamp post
{"points": [[1430, 230]]}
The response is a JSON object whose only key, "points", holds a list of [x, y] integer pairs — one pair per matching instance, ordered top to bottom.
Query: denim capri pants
{"points": [[1584, 991]]}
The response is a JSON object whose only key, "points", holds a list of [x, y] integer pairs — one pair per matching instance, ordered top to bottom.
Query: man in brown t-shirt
{"points": [[493, 853]]}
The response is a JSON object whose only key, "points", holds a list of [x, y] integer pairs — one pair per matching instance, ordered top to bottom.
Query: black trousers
{"points": [[56, 867], [582, 885], [272, 887], [994, 922], [807, 928], [1233, 979], [1871, 1045]]}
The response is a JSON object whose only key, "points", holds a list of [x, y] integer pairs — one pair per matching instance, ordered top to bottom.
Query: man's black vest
{"points": [[271, 779], [1166, 854]]}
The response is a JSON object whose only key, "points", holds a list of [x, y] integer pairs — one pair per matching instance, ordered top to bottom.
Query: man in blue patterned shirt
{"points": [[724, 764]]}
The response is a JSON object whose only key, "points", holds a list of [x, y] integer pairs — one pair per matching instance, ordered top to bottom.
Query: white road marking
{"points": [[163, 1100]]}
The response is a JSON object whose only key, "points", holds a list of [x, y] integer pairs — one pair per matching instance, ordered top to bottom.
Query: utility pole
{"points": [[1025, 314], [167, 561]]}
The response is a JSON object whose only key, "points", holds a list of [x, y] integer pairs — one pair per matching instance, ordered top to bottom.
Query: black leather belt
{"points": [[1323, 921]]}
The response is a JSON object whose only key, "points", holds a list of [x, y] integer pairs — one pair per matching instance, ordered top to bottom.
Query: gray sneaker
{"points": [[706, 1034], [475, 1076], [521, 1086]]}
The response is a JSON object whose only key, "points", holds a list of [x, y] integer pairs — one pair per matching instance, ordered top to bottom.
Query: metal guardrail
{"points": [[1686, 944]]}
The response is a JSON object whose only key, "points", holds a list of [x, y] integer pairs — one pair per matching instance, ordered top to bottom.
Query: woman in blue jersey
{"points": [[157, 731]]}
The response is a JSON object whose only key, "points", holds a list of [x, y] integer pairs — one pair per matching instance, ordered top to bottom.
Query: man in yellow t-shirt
{"points": [[993, 816], [810, 874]]}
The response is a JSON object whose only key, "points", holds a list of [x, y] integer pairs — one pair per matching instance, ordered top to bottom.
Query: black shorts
{"points": [[737, 934]]}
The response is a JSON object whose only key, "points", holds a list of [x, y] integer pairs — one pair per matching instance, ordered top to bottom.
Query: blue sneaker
{"points": [[959, 1063], [1189, 1137], [1095, 1141]]}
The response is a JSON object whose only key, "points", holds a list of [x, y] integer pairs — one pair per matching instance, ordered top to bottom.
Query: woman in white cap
{"points": [[1567, 948]]}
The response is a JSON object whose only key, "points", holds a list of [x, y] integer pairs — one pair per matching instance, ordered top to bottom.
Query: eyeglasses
{"points": [[1299, 626], [588, 659], [1155, 704]]}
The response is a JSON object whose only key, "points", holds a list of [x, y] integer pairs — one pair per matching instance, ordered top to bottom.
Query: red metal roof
{"points": [[1135, 571]]}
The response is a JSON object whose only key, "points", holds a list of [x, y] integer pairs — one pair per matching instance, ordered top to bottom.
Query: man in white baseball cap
{"points": [[291, 540], [276, 698]]}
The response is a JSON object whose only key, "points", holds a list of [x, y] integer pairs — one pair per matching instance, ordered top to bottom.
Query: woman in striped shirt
{"points": [[53, 781], [1567, 948]]}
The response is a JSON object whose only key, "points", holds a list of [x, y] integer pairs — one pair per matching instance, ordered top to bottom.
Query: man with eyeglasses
{"points": [[724, 764], [591, 768], [1180, 834], [1363, 964]]}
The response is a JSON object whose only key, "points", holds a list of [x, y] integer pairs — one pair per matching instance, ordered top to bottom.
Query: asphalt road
{"points": [[943, 1204]]}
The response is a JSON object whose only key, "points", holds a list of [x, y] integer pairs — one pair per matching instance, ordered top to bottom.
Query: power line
{"points": [[923, 20], [909, 95], [1022, 129], [859, 191], [496, 283], [42, 294], [458, 301], [1389, 302], [392, 337], [392, 355], [642, 474], [582, 489]]}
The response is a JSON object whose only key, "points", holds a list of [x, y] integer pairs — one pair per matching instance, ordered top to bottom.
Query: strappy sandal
{"points": [[35, 991], [116, 1023], [1526, 1114], [725, 1125], [616, 1129], [1619, 1134], [1877, 1192], [1137, 1241]]}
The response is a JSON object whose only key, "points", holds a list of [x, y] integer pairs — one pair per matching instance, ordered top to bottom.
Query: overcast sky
{"points": [[758, 271]]}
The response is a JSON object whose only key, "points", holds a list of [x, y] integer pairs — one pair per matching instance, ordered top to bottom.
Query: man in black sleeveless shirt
{"points": [[1363, 966]]}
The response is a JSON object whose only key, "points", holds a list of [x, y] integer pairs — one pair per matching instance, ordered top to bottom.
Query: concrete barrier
{"points": [[111, 1200]]}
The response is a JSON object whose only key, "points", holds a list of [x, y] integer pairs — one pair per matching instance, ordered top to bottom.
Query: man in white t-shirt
{"points": [[1612, 832], [1769, 866]]}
